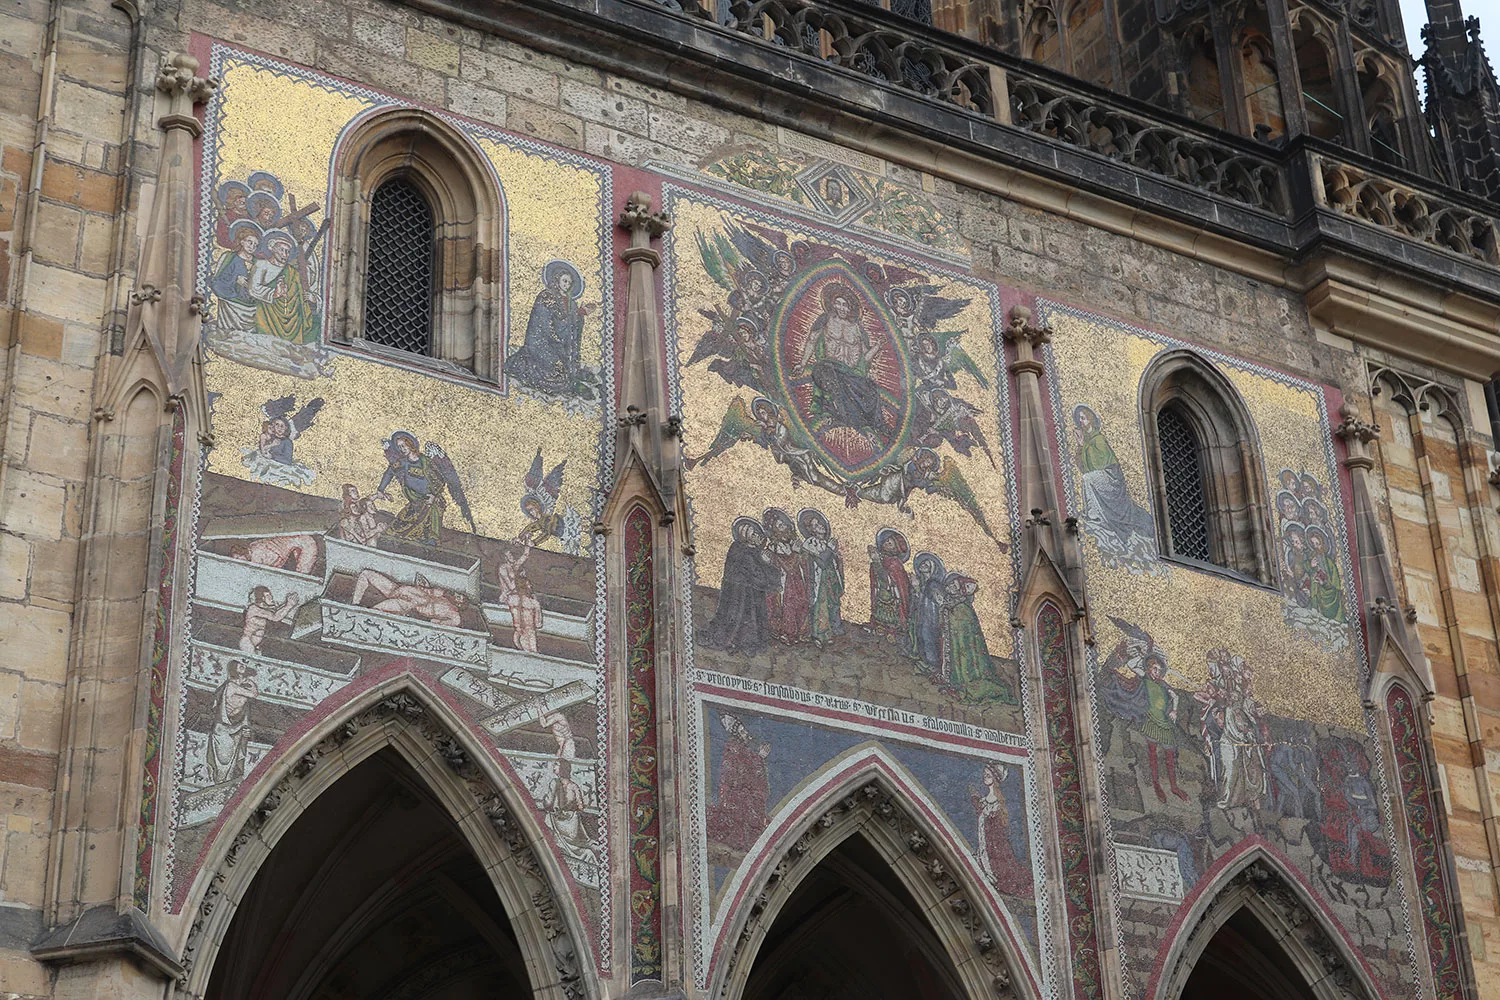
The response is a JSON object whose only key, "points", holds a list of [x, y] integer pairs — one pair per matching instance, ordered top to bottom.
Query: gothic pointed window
{"points": [[1043, 44], [1317, 71], [1263, 111], [1381, 112], [418, 217], [398, 274], [1207, 475], [1182, 476]]}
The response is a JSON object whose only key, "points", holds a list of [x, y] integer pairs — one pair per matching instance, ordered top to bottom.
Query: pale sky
{"points": [[1414, 15]]}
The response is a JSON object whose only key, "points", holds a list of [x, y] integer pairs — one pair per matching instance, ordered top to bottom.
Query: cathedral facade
{"points": [[780, 498]]}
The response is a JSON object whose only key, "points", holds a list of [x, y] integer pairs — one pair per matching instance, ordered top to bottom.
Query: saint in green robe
{"points": [[282, 310], [1095, 452], [1327, 588], [827, 591], [970, 668], [1158, 727]]}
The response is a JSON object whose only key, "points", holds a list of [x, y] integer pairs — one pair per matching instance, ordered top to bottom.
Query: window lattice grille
{"points": [[398, 274], [1182, 477]]}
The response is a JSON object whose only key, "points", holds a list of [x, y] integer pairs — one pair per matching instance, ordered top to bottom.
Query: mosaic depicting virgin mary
{"points": [[549, 361], [1125, 531]]}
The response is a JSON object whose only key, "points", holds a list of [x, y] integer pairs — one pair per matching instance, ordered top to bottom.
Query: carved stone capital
{"points": [[179, 77], [183, 88], [641, 221], [145, 293], [1021, 330], [1027, 337], [1351, 428], [1357, 435]]}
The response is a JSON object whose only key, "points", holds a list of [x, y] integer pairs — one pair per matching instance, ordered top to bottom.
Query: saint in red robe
{"points": [[791, 610], [738, 815]]}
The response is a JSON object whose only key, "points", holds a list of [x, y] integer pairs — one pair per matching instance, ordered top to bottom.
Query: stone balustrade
{"points": [[884, 52], [1163, 148], [1275, 195], [1424, 216]]}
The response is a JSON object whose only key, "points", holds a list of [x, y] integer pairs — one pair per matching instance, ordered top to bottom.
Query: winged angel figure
{"points": [[849, 365], [272, 459], [427, 479], [544, 519]]}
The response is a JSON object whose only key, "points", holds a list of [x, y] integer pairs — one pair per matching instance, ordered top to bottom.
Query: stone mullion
{"points": [[1112, 44], [1231, 72], [1288, 77], [1346, 79], [668, 691], [1473, 730], [1075, 808], [643, 813], [1106, 934]]}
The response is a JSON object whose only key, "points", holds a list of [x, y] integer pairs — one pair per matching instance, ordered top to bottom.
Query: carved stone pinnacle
{"points": [[179, 78], [638, 216], [1020, 328], [1352, 429]]}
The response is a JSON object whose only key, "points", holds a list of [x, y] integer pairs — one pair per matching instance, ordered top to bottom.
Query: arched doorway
{"points": [[372, 891], [865, 898], [851, 931], [1260, 935], [1244, 961]]}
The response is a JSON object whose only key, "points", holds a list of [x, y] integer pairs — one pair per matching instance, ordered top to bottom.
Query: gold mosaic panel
{"points": [[271, 121], [1100, 364], [491, 442], [747, 479]]}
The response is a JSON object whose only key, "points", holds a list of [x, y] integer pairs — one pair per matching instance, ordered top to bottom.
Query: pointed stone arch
{"points": [[1316, 49], [1380, 95], [1416, 394], [1234, 478], [1392, 662], [868, 799], [504, 839], [1257, 881]]}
